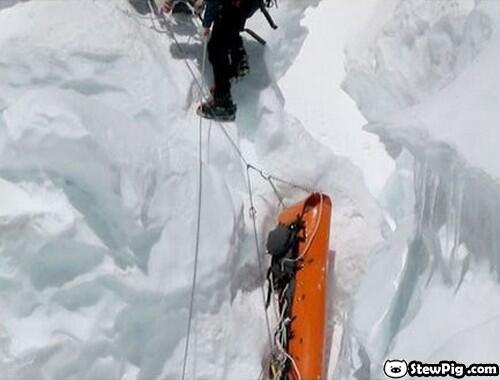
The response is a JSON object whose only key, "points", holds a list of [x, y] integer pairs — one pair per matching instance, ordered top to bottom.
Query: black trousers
{"points": [[225, 47]]}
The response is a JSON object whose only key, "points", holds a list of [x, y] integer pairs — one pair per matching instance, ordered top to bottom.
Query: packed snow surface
{"points": [[99, 186]]}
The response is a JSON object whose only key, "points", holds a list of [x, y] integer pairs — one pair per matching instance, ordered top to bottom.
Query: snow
{"points": [[430, 93], [329, 113], [99, 184]]}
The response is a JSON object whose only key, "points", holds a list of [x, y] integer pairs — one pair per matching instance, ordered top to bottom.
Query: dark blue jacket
{"points": [[214, 7], [212, 11]]}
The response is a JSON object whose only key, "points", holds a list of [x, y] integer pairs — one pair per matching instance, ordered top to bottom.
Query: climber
{"points": [[225, 50], [226, 53]]}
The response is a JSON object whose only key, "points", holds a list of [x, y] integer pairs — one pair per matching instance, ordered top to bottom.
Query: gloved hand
{"points": [[165, 6], [198, 7]]}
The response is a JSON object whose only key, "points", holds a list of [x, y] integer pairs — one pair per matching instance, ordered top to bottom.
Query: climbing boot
{"points": [[219, 108]]}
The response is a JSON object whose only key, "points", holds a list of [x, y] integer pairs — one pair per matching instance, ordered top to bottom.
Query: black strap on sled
{"points": [[283, 246]]}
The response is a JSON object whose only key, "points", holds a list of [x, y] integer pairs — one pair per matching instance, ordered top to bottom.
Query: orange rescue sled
{"points": [[306, 332]]}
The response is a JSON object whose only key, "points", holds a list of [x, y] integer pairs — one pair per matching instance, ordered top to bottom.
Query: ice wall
{"points": [[430, 91]]}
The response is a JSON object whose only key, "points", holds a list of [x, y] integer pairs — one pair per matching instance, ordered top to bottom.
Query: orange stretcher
{"points": [[309, 302]]}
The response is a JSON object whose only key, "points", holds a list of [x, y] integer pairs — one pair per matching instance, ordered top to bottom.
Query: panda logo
{"points": [[395, 368]]}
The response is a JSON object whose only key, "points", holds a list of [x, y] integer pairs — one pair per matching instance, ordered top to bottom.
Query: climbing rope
{"points": [[253, 215], [198, 226]]}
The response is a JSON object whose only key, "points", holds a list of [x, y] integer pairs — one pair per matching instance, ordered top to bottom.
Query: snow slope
{"points": [[98, 164]]}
